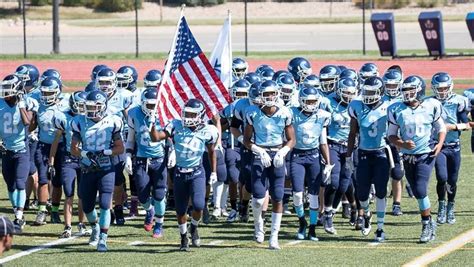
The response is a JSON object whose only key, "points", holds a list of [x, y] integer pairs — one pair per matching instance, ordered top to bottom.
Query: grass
{"points": [[45, 13], [336, 54], [348, 247]]}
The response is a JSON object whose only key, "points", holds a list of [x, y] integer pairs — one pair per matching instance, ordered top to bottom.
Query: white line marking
{"points": [[215, 242], [294, 242], [136, 243], [373, 244], [36, 249], [443, 250]]}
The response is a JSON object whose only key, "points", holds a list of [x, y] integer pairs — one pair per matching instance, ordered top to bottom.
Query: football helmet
{"points": [[240, 67], [262, 68], [300, 68], [96, 70], [368, 70], [50, 73], [279, 73], [350, 73], [29, 74], [267, 74], [329, 76], [127, 77], [252, 77], [152, 78], [312, 80], [393, 80], [107, 81], [442, 85], [11, 86], [91, 86], [287, 86], [413, 88], [50, 89], [240, 89], [346, 90], [372, 90], [269, 93], [254, 94], [309, 98], [149, 100], [77, 102], [96, 105], [193, 113]]}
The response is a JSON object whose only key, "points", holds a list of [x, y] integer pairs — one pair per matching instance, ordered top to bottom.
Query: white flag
{"points": [[221, 57]]}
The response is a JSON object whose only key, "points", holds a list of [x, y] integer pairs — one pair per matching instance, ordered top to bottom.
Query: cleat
{"points": [[409, 191], [34, 205], [133, 208], [286, 210], [346, 210], [397, 210], [216, 213], [224, 213], [450, 213], [205, 216], [232, 216], [40, 218], [55, 218], [119, 218], [244, 218], [353, 218], [320, 219], [441, 219], [359, 223], [18, 224], [148, 224], [328, 224], [367, 227], [82, 229], [433, 229], [158, 230], [67, 232], [312, 233], [426, 233], [301, 235], [379, 235], [259, 238], [94, 239], [195, 239], [184, 243], [102, 244], [274, 244]]}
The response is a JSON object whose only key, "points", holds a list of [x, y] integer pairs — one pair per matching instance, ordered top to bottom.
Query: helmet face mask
{"points": [[239, 68], [300, 68], [29, 74], [123, 81], [107, 85], [328, 85], [442, 85], [10, 86], [392, 88], [50, 89], [413, 89], [443, 91], [269, 93], [347, 93], [409, 93], [370, 95], [309, 99], [77, 102], [148, 106], [95, 110], [192, 117]]}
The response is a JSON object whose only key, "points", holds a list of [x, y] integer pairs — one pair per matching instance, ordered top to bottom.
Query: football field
{"points": [[232, 244]]}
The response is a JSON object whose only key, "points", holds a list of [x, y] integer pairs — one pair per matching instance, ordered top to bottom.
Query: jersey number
{"points": [[8, 126], [97, 140]]}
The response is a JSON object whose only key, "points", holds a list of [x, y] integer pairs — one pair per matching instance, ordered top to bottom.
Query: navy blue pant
{"points": [[32, 145], [41, 161], [232, 161], [119, 166], [305, 167], [447, 167], [15, 168], [221, 168], [373, 168], [418, 171], [70, 172], [397, 172], [245, 176], [340, 176], [271, 178], [154, 179], [102, 181], [189, 185]]}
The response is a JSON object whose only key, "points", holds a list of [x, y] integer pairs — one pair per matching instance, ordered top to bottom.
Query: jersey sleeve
{"points": [[32, 104], [464, 104], [437, 110], [352, 111], [249, 117], [288, 117], [130, 118], [391, 118], [327, 120], [59, 122], [169, 128], [117, 130], [212, 134]]}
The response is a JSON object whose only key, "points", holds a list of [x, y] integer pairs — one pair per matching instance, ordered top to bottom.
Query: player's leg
{"points": [[336, 157], [41, 159], [232, 159], [22, 163], [454, 163], [364, 172], [8, 173], [381, 173], [158, 174], [297, 175], [397, 175], [314, 177], [68, 179], [245, 179], [442, 179], [32, 182], [345, 182], [143, 185], [218, 186], [198, 188], [106, 189], [259, 189], [57, 190], [88, 190], [118, 190], [276, 190], [182, 191], [287, 193], [81, 226]]}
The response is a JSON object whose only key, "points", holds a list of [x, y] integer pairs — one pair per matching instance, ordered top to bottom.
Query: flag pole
{"points": [[229, 17]]}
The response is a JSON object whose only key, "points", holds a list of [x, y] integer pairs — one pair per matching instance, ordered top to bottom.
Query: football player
{"points": [[240, 68], [300, 68], [366, 71], [329, 77], [469, 93], [369, 122], [411, 124], [264, 136], [96, 138]]}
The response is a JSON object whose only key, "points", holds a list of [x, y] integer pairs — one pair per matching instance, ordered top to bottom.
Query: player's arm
{"points": [[216, 119], [33, 123], [225, 124], [235, 125], [440, 129], [248, 133], [157, 136], [290, 136], [352, 136], [75, 144], [54, 146], [323, 146], [212, 156]]}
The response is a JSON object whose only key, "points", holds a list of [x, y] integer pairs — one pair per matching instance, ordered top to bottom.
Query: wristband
{"points": [[108, 152], [84, 153]]}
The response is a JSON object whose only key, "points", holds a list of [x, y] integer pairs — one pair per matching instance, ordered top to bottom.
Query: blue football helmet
{"points": [[240, 67], [261, 68], [300, 68], [96, 70], [368, 70], [50, 73], [279, 73], [350, 73], [29, 74], [267, 74], [329, 76], [127, 77], [252, 77], [152, 78], [312, 80], [393, 80], [107, 81], [442, 85], [11, 86], [91, 86], [287, 86], [413, 88], [50, 89], [240, 89], [346, 90], [372, 90], [269, 93], [254, 94], [309, 98], [149, 100], [77, 102], [96, 105], [193, 113]]}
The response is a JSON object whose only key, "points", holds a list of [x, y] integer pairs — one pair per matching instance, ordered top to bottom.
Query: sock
{"points": [[217, 187], [225, 195], [12, 197], [21, 198], [396, 203], [424, 203], [148, 204], [233, 204], [298, 204], [381, 204], [257, 205], [42, 206], [365, 206], [55, 207], [160, 207], [244, 207], [299, 211], [19, 214], [92, 216], [313, 216], [104, 219], [425, 219], [159, 220], [194, 222], [276, 222], [183, 228], [104, 230]]}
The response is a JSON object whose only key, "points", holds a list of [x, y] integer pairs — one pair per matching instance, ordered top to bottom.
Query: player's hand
{"points": [[21, 103], [471, 124], [33, 137], [240, 139], [409, 144], [219, 147], [436, 149], [263, 155], [171, 159], [279, 159], [128, 164], [349, 165], [51, 172], [327, 174], [213, 178]]}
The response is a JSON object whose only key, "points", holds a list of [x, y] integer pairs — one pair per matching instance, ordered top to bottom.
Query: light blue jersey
{"points": [[469, 93], [136, 97], [391, 100], [118, 103], [325, 103], [453, 107], [239, 109], [227, 113], [45, 119], [63, 123], [140, 123], [372, 124], [416, 124], [308, 128], [12, 130], [338, 130], [268, 131], [97, 136], [190, 145]]}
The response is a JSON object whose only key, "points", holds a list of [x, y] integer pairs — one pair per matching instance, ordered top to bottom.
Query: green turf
{"points": [[336, 54]]}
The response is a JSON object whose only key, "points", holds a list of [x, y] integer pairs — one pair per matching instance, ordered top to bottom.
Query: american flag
{"points": [[188, 74]]}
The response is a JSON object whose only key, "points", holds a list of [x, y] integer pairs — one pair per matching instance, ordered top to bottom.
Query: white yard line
{"points": [[216, 242], [293, 242], [136, 243], [443, 250]]}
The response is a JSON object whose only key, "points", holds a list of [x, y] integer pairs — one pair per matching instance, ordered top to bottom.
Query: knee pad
{"points": [[298, 198], [104, 200], [313, 202], [424, 203]]}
